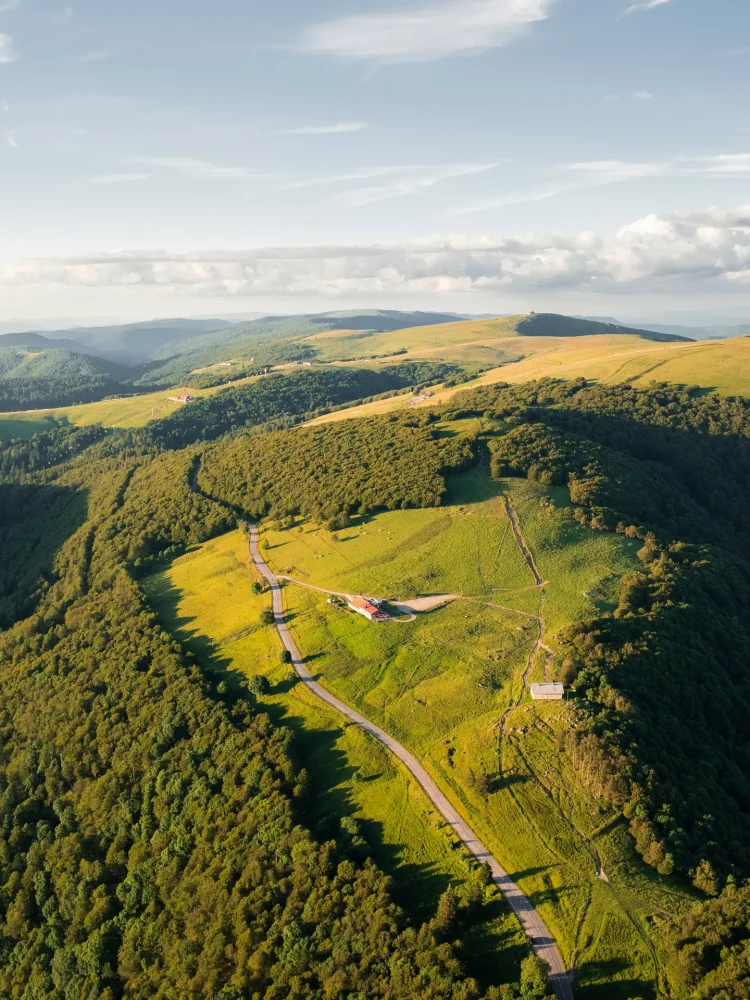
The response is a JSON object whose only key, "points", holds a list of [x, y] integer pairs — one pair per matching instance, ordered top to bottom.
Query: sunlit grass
{"points": [[205, 599], [442, 685]]}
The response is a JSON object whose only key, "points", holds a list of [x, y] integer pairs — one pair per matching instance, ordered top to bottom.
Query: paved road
{"points": [[532, 924]]}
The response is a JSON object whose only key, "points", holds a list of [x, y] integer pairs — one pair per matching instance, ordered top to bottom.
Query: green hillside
{"points": [[273, 340], [31, 379], [594, 535]]}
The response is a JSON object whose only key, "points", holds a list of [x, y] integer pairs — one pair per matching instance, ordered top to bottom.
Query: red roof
{"points": [[362, 605]]}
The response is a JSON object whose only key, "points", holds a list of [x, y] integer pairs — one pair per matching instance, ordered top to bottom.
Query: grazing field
{"points": [[334, 345], [722, 366], [131, 411], [205, 599], [451, 687]]}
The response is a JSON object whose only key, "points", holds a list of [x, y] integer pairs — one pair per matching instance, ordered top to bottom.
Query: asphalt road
{"points": [[532, 924]]}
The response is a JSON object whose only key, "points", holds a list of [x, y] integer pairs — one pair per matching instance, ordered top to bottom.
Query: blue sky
{"points": [[475, 155]]}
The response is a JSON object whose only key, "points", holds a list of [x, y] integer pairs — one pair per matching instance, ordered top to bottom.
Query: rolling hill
{"points": [[136, 343], [510, 349], [33, 378], [588, 534]]}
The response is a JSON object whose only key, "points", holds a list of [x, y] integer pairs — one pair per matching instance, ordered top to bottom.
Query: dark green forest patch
{"points": [[34, 523]]}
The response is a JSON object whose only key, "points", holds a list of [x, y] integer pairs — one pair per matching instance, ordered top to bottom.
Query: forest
{"points": [[58, 378], [334, 470], [152, 824], [153, 840]]}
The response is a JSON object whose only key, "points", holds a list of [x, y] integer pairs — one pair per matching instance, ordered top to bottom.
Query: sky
{"points": [[166, 158]]}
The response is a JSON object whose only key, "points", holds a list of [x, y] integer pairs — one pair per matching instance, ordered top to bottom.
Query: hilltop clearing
{"points": [[499, 339]]}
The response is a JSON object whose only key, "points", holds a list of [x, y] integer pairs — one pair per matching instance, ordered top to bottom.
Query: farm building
{"points": [[367, 608], [549, 691]]}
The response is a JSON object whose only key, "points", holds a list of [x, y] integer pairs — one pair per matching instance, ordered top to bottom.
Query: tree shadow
{"points": [[35, 522], [529, 872], [416, 886], [611, 988]]}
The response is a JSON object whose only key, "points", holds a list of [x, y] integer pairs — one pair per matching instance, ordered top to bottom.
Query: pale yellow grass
{"points": [[720, 365]]}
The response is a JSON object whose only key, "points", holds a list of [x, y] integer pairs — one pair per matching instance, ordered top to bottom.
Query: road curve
{"points": [[532, 924]]}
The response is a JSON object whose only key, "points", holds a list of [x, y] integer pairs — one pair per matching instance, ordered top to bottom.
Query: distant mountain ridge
{"points": [[555, 325], [39, 342]]}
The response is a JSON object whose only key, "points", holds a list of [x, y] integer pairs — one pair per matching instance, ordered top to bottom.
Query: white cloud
{"points": [[9, 5], [646, 5], [428, 32], [7, 52], [98, 55], [339, 128], [12, 139], [730, 164], [201, 169], [611, 171], [366, 173], [600, 173], [118, 178], [403, 180], [408, 184], [514, 198], [658, 252]]}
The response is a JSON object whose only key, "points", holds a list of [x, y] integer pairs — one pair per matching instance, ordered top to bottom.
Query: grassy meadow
{"points": [[334, 345], [722, 366], [131, 411], [205, 599], [450, 687]]}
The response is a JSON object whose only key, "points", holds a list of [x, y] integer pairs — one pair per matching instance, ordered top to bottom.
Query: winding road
{"points": [[532, 924]]}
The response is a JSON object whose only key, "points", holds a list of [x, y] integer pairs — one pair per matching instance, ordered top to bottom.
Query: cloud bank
{"points": [[432, 31], [7, 52], [675, 252]]}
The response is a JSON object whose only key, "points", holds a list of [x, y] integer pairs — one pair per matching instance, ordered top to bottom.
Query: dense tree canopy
{"points": [[336, 468], [152, 835]]}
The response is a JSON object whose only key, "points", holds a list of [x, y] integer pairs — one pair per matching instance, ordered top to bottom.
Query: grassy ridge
{"points": [[721, 366], [205, 599], [442, 685]]}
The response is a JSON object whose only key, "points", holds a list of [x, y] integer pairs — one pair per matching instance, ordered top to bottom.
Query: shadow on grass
{"points": [[529, 872], [612, 989]]}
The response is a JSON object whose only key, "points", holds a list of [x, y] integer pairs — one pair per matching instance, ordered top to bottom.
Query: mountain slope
{"points": [[554, 325], [37, 342], [58, 378]]}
